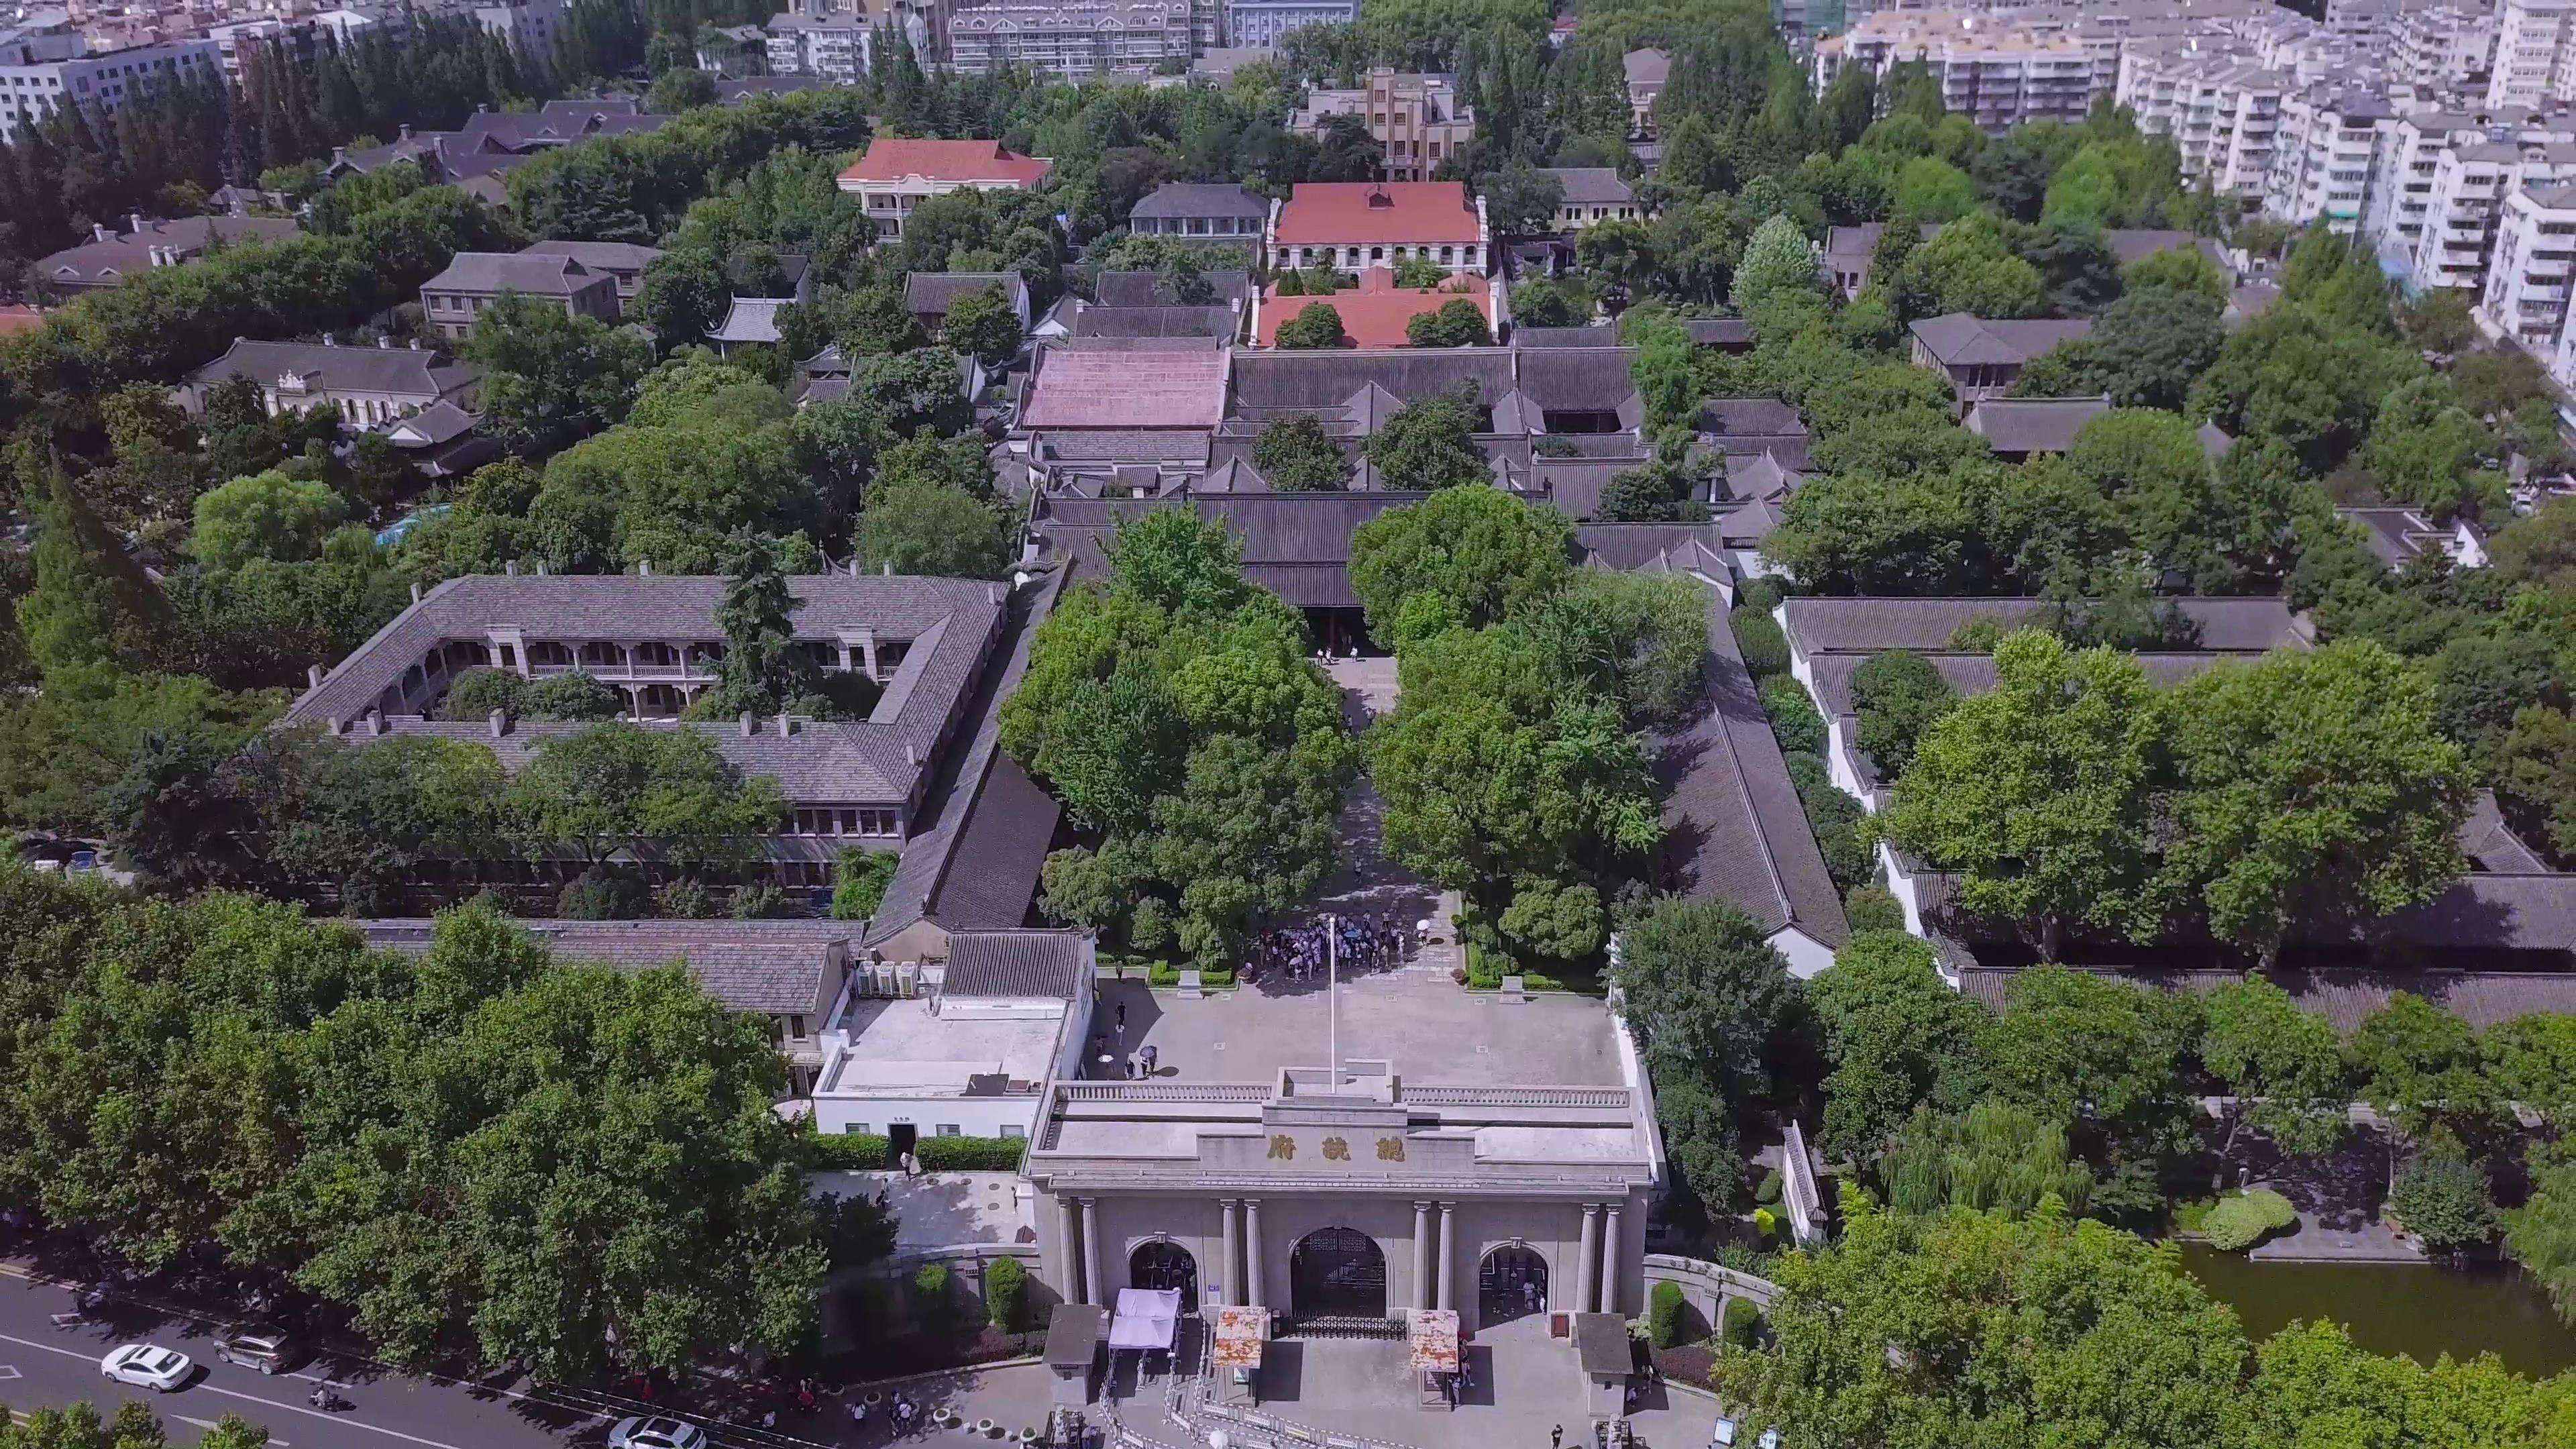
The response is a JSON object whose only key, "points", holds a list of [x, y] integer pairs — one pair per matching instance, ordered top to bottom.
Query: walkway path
{"points": [[1364, 881]]}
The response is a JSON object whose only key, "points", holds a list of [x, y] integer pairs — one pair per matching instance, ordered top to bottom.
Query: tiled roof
{"points": [[1648, 67], [892, 158], [1591, 185], [1184, 199], [1401, 212], [605, 256], [94, 262], [535, 274], [1146, 289], [931, 294], [1376, 313], [750, 319], [1154, 322], [1729, 332], [1599, 335], [1956, 339], [400, 371], [1144, 387], [1750, 417], [437, 424], [2033, 425], [1868, 624], [1734, 829], [2490, 843], [1016, 963], [770, 968], [2347, 996]]}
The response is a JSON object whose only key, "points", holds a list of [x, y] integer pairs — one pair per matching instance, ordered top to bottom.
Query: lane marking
{"points": [[9, 1371], [256, 1399], [210, 1426]]}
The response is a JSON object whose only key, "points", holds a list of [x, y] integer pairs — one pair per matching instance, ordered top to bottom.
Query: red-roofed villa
{"points": [[898, 173], [1355, 225], [1376, 313]]}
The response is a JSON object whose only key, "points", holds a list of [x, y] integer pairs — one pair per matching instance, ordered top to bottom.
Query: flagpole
{"points": [[1333, 994]]}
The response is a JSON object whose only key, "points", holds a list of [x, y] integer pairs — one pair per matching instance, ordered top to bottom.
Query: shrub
{"points": [[1758, 593], [1759, 640], [478, 692], [1794, 719], [1836, 818], [859, 883], [604, 894], [690, 901], [762, 902], [1873, 907], [1164, 973], [849, 1152], [969, 1154], [1767, 1191], [2444, 1199], [1766, 1221], [2240, 1222], [1006, 1294], [932, 1304], [1665, 1310], [1743, 1324]]}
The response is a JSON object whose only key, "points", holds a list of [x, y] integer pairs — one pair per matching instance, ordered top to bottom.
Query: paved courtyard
{"points": [[1364, 881], [1431, 1029], [940, 1209]]}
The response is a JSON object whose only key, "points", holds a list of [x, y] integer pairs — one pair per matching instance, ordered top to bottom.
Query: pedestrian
{"points": [[1122, 1018], [858, 1414], [769, 1418], [1556, 1440]]}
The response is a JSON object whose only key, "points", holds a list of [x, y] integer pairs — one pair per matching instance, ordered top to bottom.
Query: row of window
{"points": [[1309, 256], [843, 821], [1010, 1131]]}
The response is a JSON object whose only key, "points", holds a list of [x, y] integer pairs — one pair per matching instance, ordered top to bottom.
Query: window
{"points": [[795, 1025], [950, 1129], [1013, 1132]]}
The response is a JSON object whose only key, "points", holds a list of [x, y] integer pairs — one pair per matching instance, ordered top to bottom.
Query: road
{"points": [[42, 1366]]}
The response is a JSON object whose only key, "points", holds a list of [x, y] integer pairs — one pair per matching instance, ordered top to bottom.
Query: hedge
{"points": [[1759, 640], [1794, 719], [1873, 907], [1164, 973], [849, 1152], [970, 1154], [2239, 1222], [1006, 1293], [1665, 1311], [1743, 1325]]}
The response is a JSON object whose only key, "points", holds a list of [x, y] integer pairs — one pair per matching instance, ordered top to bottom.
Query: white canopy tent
{"points": [[1148, 1319]]}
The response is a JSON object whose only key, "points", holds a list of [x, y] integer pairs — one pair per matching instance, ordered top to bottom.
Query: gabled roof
{"points": [[1648, 67], [892, 158], [1591, 185], [1184, 199], [1401, 212], [604, 256], [101, 262], [534, 274], [1146, 289], [931, 294], [1377, 312], [750, 319], [1154, 322], [1732, 333], [1599, 335], [1956, 339], [397, 371], [1164, 386], [1723, 418], [2033, 425], [434, 426], [1868, 624], [1734, 829], [1016, 963], [765, 967]]}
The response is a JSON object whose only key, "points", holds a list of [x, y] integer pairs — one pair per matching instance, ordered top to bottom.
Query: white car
{"points": [[148, 1366], [643, 1433], [1723, 1436]]}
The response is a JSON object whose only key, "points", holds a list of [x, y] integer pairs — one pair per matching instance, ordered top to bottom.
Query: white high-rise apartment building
{"points": [[2447, 46], [2533, 63], [1992, 69], [40, 74], [2223, 114], [2328, 156], [2472, 180], [2409, 190], [2535, 249]]}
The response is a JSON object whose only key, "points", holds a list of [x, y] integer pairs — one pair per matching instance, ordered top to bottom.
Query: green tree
{"points": [[1778, 263], [684, 294], [1459, 323], [982, 325], [1317, 325], [549, 377], [1428, 444], [1297, 455], [267, 515], [933, 529], [1480, 554], [90, 603], [1896, 695], [2536, 773], [2311, 787], [596, 792], [2039, 792], [859, 882], [1709, 999], [1896, 1037], [2081, 1047], [2532, 1062], [2283, 1067], [2421, 1067], [1992, 1157], [2444, 1198], [2541, 1234]]}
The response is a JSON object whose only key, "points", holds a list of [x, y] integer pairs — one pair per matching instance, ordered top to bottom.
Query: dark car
{"points": [[260, 1346]]}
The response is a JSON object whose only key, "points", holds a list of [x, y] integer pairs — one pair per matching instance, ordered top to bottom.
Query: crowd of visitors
{"points": [[1304, 951]]}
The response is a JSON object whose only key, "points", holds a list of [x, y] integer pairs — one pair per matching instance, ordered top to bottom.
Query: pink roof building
{"points": [[899, 173], [1354, 225], [1138, 384]]}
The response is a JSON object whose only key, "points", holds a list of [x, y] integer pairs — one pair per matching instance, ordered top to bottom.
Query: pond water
{"points": [[2423, 1312]]}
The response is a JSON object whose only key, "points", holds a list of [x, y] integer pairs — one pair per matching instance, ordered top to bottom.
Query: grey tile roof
{"points": [[1648, 67], [1591, 185], [1184, 199], [604, 256], [94, 263], [534, 275], [1146, 289], [931, 294], [750, 319], [1154, 322], [1733, 333], [1598, 335], [1956, 339], [401, 371], [1726, 419], [2033, 425], [434, 426], [1298, 545], [1634, 545], [1868, 624], [877, 759], [989, 825], [1734, 829], [2488, 841], [1016, 963], [770, 968], [2346, 996]]}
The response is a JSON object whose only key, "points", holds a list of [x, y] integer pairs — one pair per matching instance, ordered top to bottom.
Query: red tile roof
{"points": [[892, 159], [1344, 212], [1375, 314], [17, 319], [1127, 387]]}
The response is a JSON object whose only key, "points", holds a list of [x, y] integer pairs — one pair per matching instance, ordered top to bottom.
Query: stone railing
{"points": [[1163, 1092], [1613, 1098], [1707, 1286]]}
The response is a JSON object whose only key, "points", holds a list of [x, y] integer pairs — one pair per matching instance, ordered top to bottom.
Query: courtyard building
{"points": [[897, 175], [1352, 226]]}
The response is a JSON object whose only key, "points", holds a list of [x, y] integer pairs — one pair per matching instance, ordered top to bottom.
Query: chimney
{"points": [[406, 131], [339, 154], [134, 221], [100, 232], [384, 343], [415, 344], [509, 566], [644, 566], [541, 568], [887, 569], [415, 593], [994, 594], [313, 676], [376, 721], [500, 723], [749, 724], [786, 726], [912, 754]]}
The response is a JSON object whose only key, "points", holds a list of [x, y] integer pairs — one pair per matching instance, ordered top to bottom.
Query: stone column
{"points": [[1069, 1236], [1448, 1251], [1610, 1262], [1253, 1264], [1587, 1264], [1229, 1273], [1091, 1288], [1422, 1295]]}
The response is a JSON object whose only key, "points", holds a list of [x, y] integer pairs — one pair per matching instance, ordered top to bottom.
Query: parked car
{"points": [[260, 1346], [147, 1366], [656, 1433]]}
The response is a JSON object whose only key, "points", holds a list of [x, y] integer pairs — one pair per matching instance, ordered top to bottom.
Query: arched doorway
{"points": [[1165, 1264], [1337, 1273], [1512, 1284]]}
